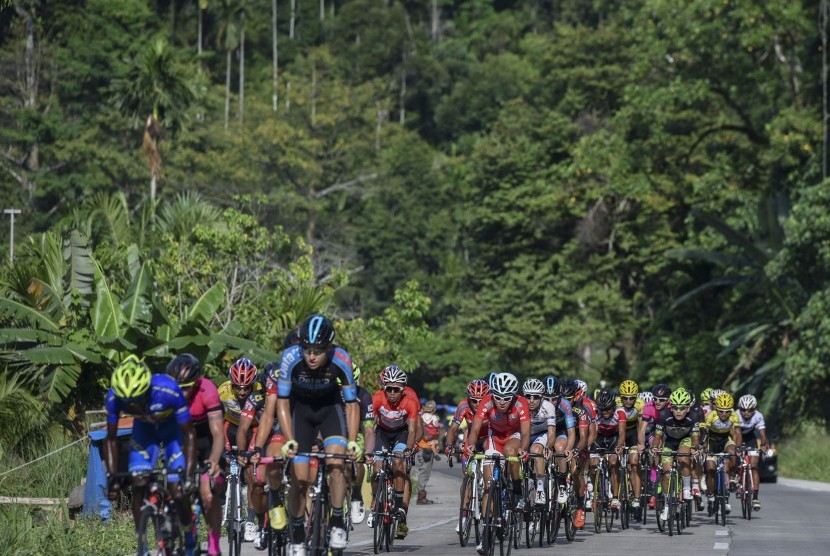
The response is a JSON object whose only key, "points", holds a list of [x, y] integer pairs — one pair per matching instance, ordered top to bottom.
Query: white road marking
{"points": [[721, 546]]}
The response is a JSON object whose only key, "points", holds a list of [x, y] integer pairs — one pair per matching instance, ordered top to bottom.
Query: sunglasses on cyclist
{"points": [[314, 351], [243, 388], [393, 389], [534, 396], [502, 398], [628, 398], [474, 400], [661, 400], [679, 407]]}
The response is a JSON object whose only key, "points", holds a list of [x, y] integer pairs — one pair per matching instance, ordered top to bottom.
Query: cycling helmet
{"points": [[316, 330], [292, 339], [184, 368], [270, 368], [243, 372], [355, 372], [392, 375], [490, 377], [131, 378], [505, 384], [550, 385], [533, 386], [568, 388], [583, 388], [629, 388], [477, 389], [661, 391], [715, 393], [706, 395], [646, 396], [680, 397], [605, 400], [724, 401], [748, 402]]}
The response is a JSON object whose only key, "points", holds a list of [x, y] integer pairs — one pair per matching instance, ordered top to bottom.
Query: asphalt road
{"points": [[792, 521]]}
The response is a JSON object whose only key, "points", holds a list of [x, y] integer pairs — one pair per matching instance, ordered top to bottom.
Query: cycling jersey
{"points": [[314, 386], [204, 399], [165, 403], [232, 405], [367, 412], [632, 414], [651, 415], [394, 417], [544, 417], [564, 417], [503, 425], [610, 426], [718, 427], [750, 427], [676, 431]]}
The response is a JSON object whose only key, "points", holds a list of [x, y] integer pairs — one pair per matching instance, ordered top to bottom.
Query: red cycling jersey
{"points": [[204, 400], [463, 412], [395, 417], [503, 425]]}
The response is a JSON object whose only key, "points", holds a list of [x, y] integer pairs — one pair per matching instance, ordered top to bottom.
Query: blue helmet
{"points": [[316, 330], [550, 385]]}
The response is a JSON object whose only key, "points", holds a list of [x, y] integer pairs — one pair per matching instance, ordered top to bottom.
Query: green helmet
{"points": [[131, 379], [706, 395], [680, 397]]}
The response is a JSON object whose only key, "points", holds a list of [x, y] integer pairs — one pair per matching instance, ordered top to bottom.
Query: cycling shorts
{"points": [[312, 419], [394, 441], [495, 444], [145, 449]]}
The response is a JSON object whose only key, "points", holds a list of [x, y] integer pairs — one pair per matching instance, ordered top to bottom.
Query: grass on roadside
{"points": [[806, 454]]}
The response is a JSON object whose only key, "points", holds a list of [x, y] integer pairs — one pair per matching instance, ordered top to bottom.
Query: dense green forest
{"points": [[591, 188]]}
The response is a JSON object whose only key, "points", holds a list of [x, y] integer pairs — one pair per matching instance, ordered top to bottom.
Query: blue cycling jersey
{"points": [[297, 380], [166, 402], [564, 416]]}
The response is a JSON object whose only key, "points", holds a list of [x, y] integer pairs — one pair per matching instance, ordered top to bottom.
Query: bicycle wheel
{"points": [[598, 501], [672, 502], [625, 509], [465, 511], [689, 512], [568, 513], [554, 515], [609, 516], [378, 517], [490, 519], [532, 524], [149, 530], [235, 534], [317, 541]]}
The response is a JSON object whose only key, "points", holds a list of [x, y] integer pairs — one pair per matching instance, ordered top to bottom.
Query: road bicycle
{"points": [[651, 478], [746, 484], [721, 486], [625, 493], [601, 502], [469, 511], [234, 512], [559, 512], [385, 513], [679, 513], [536, 515], [501, 522], [317, 526], [276, 539]]}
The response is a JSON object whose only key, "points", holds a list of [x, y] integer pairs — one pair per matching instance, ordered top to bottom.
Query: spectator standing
{"points": [[428, 447]]}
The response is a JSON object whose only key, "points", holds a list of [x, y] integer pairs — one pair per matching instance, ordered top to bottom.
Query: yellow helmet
{"points": [[131, 379], [629, 388], [724, 401]]}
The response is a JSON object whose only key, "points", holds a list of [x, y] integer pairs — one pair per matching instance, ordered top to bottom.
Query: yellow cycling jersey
{"points": [[233, 409], [632, 414], [718, 427]]}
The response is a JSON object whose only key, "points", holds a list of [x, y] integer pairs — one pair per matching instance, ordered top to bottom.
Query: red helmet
{"points": [[243, 372], [478, 389]]}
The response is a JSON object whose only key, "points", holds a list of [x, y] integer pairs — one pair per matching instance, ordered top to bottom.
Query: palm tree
{"points": [[159, 89]]}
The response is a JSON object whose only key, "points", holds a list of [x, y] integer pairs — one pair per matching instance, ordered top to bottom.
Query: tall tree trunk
{"points": [[322, 10], [293, 17], [823, 17], [436, 22], [199, 40], [275, 53], [242, 64], [228, 88], [313, 95], [287, 96]]}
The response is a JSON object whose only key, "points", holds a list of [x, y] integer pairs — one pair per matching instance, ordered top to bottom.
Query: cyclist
{"points": [[551, 387], [235, 394], [706, 400], [309, 403], [632, 405], [657, 410], [397, 413], [464, 413], [585, 413], [697, 413], [207, 415], [161, 416], [508, 416], [565, 429], [542, 431], [678, 432], [723, 434], [753, 435], [366, 436], [610, 438]]}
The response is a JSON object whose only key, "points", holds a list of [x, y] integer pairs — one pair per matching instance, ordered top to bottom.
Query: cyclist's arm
{"points": [[284, 418], [352, 419], [266, 423], [524, 429], [412, 432], [451, 432], [641, 432], [217, 433], [242, 433], [592, 433], [621, 433], [189, 435], [472, 435], [737, 436], [368, 437], [551, 437], [571, 439], [111, 447]]}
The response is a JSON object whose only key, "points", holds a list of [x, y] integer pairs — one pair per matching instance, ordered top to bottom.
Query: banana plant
{"points": [[66, 333]]}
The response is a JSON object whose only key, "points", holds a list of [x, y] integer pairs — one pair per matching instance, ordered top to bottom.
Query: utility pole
{"points": [[11, 213]]}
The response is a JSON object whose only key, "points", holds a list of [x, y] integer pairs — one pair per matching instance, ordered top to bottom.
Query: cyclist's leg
{"points": [[171, 435], [631, 441], [538, 447], [511, 449], [144, 452], [685, 460], [273, 472], [613, 472]]}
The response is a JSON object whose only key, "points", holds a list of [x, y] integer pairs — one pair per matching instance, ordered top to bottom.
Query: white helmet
{"points": [[392, 375], [504, 384], [533, 386], [715, 393], [646, 396], [748, 402]]}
